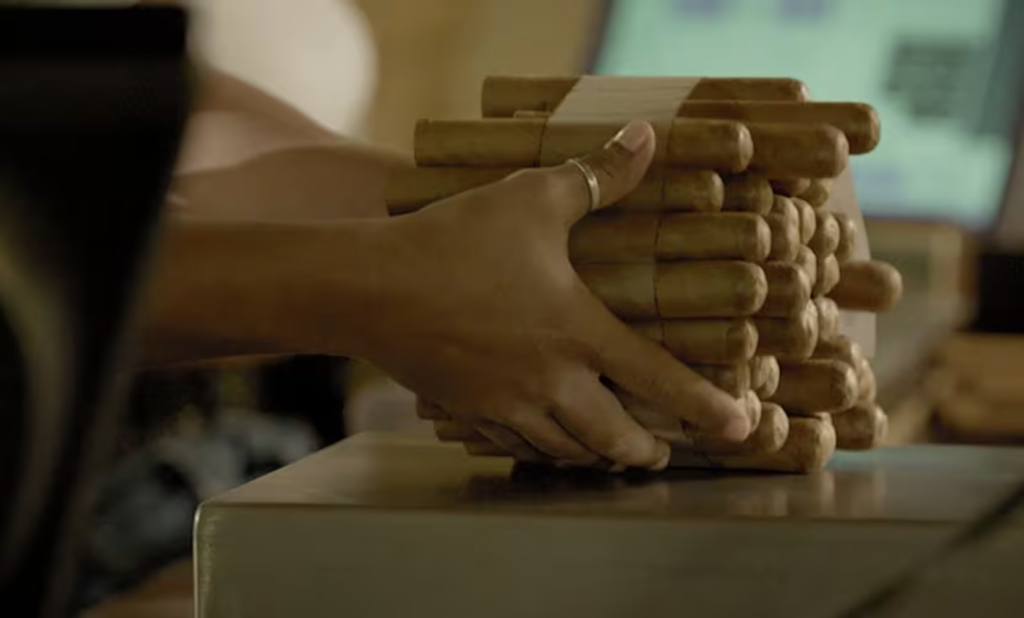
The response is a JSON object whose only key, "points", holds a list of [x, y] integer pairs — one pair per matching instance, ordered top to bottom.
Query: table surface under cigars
{"points": [[914, 484]]}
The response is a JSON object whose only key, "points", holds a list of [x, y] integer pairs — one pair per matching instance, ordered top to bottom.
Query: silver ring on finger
{"points": [[593, 186]]}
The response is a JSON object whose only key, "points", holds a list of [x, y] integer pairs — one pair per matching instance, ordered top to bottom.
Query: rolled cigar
{"points": [[503, 96], [859, 122], [505, 142], [784, 151], [791, 187], [676, 190], [817, 192], [747, 193], [808, 220], [784, 222], [721, 236], [826, 236], [847, 236], [614, 237], [808, 262], [828, 276], [867, 286], [789, 291], [829, 322], [788, 339], [711, 342], [841, 348], [764, 376], [733, 379], [868, 385], [816, 386], [862, 427], [767, 437], [809, 445]]}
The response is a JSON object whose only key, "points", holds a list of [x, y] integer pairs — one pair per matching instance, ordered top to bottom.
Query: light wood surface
{"points": [[340, 532]]}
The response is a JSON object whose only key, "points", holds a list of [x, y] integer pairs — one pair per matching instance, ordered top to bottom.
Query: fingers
{"points": [[618, 168], [666, 386], [430, 411], [595, 417], [548, 436], [511, 442]]}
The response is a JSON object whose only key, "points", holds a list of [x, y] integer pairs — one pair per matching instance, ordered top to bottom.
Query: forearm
{"points": [[223, 288]]}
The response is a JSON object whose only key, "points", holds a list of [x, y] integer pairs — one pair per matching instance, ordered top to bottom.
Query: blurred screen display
{"points": [[936, 71]]}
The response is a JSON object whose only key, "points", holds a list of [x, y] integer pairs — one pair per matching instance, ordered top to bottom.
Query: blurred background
{"points": [[942, 195]]}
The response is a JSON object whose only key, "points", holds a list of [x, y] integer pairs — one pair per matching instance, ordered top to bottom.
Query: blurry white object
{"points": [[317, 55]]}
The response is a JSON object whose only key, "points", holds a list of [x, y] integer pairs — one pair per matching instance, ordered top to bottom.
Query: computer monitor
{"points": [[944, 75]]}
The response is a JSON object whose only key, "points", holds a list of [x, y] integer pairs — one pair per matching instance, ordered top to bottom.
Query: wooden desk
{"points": [[392, 526]]}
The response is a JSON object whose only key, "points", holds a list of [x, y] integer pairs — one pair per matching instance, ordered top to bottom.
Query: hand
{"points": [[481, 314]]}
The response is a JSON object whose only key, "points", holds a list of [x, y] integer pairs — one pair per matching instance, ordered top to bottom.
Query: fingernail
{"points": [[633, 136], [737, 430], [666, 457]]}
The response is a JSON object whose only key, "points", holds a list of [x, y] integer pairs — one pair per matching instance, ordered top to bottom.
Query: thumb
{"points": [[618, 168]]}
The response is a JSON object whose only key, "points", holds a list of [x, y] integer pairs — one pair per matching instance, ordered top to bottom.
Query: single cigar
{"points": [[503, 96], [857, 121], [506, 142], [783, 151], [791, 187], [675, 190], [747, 193], [817, 193], [808, 220], [784, 222], [827, 234], [721, 236], [847, 236], [614, 237], [808, 262], [829, 276], [868, 286], [709, 289], [789, 291], [829, 322], [788, 339], [710, 342], [842, 348], [764, 376], [733, 379], [816, 386], [868, 390], [863, 427], [767, 437], [809, 445]]}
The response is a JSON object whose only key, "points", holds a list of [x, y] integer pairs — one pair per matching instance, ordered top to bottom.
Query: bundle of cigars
{"points": [[730, 253]]}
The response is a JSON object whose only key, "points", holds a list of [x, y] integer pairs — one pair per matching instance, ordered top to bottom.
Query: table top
{"points": [[924, 484]]}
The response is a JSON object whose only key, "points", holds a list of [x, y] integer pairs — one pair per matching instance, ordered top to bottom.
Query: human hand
{"points": [[480, 312]]}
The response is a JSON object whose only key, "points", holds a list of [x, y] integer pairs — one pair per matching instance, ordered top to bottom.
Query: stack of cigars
{"points": [[727, 254]]}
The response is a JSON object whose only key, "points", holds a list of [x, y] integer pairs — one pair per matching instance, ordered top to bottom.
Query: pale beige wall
{"points": [[433, 54]]}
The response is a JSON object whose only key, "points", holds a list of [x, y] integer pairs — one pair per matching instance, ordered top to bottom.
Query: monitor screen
{"points": [[944, 76]]}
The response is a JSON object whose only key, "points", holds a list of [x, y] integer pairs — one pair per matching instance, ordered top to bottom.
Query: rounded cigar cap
{"points": [[790, 187], [817, 192], [808, 220], [848, 232], [826, 237], [808, 262], [829, 275], [868, 286], [710, 289], [789, 290], [828, 318], [840, 347], [764, 376], [817, 386], [862, 427]]}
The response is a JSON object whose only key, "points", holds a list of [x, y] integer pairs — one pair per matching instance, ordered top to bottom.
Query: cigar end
{"points": [[741, 340], [861, 428], [772, 432], [811, 444]]}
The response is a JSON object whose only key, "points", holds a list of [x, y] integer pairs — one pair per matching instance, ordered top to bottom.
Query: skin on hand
{"points": [[483, 316]]}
